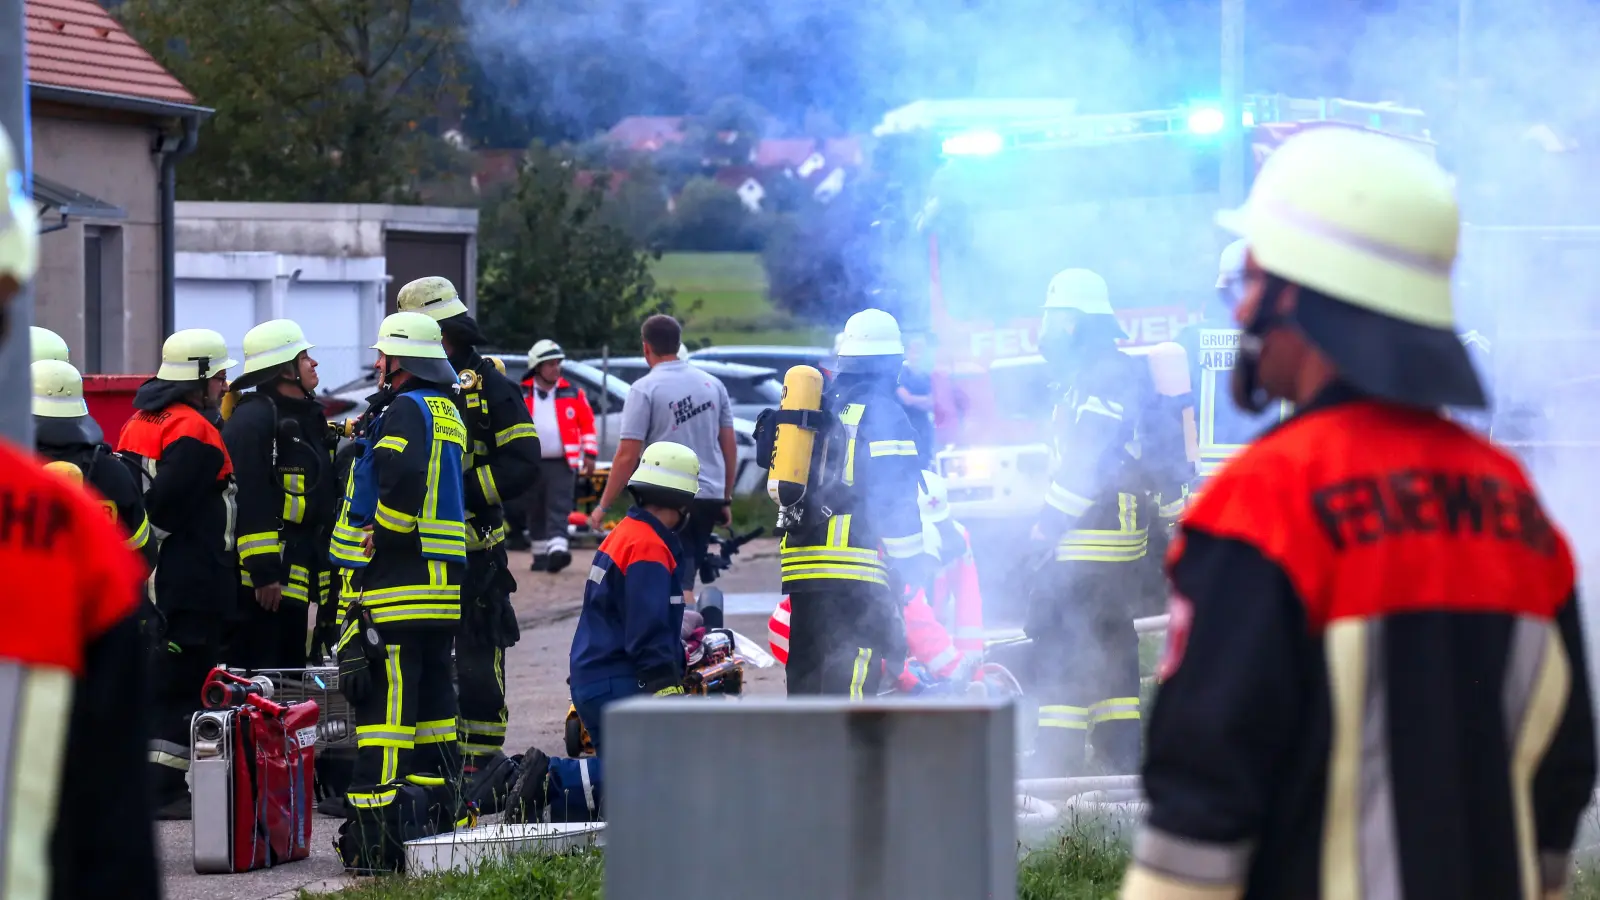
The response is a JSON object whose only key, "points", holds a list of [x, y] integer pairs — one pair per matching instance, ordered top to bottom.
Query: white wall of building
{"points": [[337, 301]]}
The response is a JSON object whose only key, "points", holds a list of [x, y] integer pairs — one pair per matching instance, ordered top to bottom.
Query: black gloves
{"points": [[355, 679], [661, 682]]}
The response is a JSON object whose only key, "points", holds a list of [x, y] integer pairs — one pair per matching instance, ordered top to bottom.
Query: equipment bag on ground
{"points": [[252, 771]]}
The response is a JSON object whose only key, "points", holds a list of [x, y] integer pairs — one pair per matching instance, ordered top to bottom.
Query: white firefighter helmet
{"points": [[1358, 216], [19, 223], [1372, 224], [1079, 289], [433, 296], [414, 341], [870, 341], [46, 344], [268, 347], [545, 351], [194, 354], [57, 390], [668, 466], [933, 497]]}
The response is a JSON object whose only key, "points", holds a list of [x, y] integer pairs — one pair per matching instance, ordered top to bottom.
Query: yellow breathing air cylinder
{"points": [[499, 364], [1169, 369], [230, 400], [791, 454], [63, 469]]}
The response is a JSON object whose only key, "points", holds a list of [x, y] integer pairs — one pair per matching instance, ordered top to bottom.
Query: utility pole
{"points": [[1233, 130], [16, 405]]}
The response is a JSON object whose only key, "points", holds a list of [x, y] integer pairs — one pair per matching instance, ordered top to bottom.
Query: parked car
{"points": [[779, 359], [751, 389], [606, 396]]}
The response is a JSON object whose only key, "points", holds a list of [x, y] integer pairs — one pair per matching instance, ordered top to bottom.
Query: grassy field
{"points": [[734, 309]]}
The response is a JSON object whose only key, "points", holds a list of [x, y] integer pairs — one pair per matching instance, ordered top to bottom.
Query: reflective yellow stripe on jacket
{"points": [[294, 498], [1128, 542], [835, 559], [298, 586], [439, 600]]}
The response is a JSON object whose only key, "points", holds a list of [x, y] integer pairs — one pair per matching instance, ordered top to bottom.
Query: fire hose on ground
{"points": [[1044, 805]]}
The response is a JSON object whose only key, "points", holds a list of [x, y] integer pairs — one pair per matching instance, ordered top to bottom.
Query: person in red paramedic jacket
{"points": [[567, 444], [1375, 683]]}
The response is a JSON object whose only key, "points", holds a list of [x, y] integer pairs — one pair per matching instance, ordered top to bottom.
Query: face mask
{"points": [[1056, 347], [1248, 394]]}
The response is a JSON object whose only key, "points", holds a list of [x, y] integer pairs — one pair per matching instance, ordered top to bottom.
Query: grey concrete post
{"points": [[16, 418], [810, 798]]}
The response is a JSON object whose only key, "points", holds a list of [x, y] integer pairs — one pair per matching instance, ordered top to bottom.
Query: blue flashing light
{"points": [[1206, 121], [974, 143]]}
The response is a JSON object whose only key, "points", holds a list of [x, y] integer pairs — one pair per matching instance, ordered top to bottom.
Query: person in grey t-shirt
{"points": [[676, 401]]}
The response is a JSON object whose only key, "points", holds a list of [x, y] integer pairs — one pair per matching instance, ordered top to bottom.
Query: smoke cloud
{"points": [[1519, 133]]}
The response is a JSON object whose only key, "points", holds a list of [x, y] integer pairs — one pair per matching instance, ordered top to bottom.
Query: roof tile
{"points": [[76, 44]]}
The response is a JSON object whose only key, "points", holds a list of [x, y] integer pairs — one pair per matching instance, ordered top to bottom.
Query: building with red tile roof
{"points": [[109, 127]]}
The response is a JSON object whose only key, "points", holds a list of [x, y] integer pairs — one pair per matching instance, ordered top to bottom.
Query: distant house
{"points": [[109, 126], [646, 134], [821, 166]]}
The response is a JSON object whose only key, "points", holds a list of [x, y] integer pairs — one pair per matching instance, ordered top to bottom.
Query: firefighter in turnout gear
{"points": [[46, 344], [1212, 344], [62, 435], [282, 455], [502, 464], [1112, 482], [189, 497], [401, 540], [859, 540], [1375, 682], [73, 778]]}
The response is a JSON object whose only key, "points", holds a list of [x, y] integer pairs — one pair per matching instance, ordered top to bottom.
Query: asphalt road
{"points": [[536, 670]]}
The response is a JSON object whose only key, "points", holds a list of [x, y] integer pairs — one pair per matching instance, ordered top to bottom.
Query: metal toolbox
{"points": [[336, 730]]}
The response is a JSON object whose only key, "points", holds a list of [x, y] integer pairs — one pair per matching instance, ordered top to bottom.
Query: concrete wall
{"points": [[112, 162], [324, 230], [338, 301]]}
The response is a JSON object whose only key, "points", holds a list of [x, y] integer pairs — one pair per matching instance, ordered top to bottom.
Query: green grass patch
{"points": [[731, 289], [1083, 862], [530, 876]]}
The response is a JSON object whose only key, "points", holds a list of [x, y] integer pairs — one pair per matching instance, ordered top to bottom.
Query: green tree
{"points": [[316, 100], [710, 217], [551, 265]]}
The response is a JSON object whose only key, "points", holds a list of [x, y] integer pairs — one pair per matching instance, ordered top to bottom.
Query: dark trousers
{"points": [[546, 507], [703, 517], [488, 626], [265, 639], [843, 639], [189, 651], [1085, 668], [481, 669], [407, 724], [577, 786]]}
